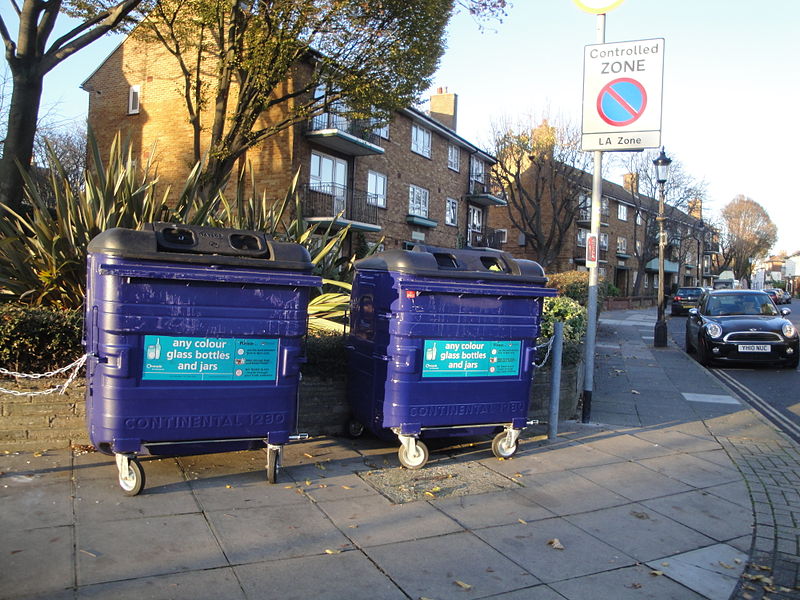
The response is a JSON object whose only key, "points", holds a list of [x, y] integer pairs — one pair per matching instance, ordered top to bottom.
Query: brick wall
{"points": [[31, 423]]}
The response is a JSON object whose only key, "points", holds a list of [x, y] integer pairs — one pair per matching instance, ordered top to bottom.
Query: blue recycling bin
{"points": [[194, 336], [443, 342]]}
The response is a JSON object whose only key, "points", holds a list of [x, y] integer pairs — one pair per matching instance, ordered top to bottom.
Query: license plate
{"points": [[754, 348]]}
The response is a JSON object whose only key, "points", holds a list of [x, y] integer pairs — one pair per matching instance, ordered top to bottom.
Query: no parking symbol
{"points": [[622, 90], [621, 102]]}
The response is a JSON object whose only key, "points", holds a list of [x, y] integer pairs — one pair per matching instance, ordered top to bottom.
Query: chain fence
{"points": [[61, 389]]}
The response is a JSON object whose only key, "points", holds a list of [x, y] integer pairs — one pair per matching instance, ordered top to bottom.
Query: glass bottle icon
{"points": [[154, 350], [430, 353]]}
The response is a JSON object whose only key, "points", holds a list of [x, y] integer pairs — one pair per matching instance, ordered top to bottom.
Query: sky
{"points": [[731, 99]]}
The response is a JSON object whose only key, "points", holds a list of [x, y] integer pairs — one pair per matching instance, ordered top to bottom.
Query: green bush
{"points": [[562, 308], [36, 340], [325, 356]]}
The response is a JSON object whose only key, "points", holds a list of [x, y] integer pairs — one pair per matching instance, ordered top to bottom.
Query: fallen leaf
{"points": [[634, 392], [307, 455], [320, 466], [517, 475], [308, 482], [322, 485], [228, 486], [346, 487], [436, 489], [432, 495], [523, 521], [556, 544], [329, 551], [92, 554], [738, 561], [665, 564], [725, 565], [656, 573], [462, 585]]}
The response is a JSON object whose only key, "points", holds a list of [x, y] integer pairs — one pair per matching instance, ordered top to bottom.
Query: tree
{"points": [[29, 60], [292, 60], [59, 160], [543, 172], [681, 192], [748, 234]]}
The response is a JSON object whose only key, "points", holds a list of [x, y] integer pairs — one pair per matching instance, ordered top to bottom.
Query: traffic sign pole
{"points": [[591, 308]]}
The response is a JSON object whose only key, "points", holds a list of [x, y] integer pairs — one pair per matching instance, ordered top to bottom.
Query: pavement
{"points": [[675, 489]]}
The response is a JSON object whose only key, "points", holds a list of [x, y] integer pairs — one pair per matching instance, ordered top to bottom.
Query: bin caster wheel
{"points": [[355, 429], [501, 448], [413, 459], [273, 463], [131, 475]]}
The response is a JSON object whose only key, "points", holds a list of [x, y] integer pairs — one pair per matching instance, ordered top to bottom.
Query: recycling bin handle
{"points": [[481, 289], [530, 357]]}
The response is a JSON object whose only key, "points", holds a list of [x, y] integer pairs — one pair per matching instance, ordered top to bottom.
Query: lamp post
{"points": [[662, 170]]}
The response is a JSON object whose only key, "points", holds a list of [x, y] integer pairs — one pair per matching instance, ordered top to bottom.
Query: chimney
{"points": [[444, 108], [630, 181], [696, 208]]}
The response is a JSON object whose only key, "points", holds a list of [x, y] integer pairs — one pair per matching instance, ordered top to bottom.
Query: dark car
{"points": [[775, 294], [787, 297], [684, 299], [741, 326]]}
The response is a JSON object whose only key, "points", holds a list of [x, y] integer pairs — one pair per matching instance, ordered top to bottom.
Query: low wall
{"points": [[625, 302], [39, 422]]}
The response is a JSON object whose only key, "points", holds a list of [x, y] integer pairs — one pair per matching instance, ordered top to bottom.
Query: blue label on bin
{"points": [[451, 358], [209, 359]]}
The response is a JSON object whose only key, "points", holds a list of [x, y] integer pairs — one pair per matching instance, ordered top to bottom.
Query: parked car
{"points": [[775, 295], [787, 297], [684, 299], [736, 326]]}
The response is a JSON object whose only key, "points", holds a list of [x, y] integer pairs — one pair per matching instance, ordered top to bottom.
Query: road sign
{"points": [[597, 6], [622, 86], [591, 250]]}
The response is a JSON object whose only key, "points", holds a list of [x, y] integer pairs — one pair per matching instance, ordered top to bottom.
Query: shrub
{"points": [[575, 285], [562, 308], [36, 340], [325, 355]]}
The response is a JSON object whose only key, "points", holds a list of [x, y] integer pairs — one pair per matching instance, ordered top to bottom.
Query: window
{"points": [[134, 95], [381, 130], [421, 140], [453, 157], [477, 170], [376, 189], [418, 201], [604, 209], [622, 212], [451, 218], [638, 218], [475, 219], [502, 235], [582, 235], [603, 241], [622, 245], [639, 247], [601, 272], [646, 281], [655, 281]]}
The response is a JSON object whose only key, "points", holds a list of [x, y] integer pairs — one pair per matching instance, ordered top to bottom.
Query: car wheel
{"points": [[703, 356], [792, 364]]}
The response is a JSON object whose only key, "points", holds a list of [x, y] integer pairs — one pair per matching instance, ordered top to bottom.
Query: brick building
{"points": [[414, 180], [627, 238]]}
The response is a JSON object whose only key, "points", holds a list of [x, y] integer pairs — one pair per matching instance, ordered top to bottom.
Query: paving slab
{"points": [[630, 447], [692, 470], [633, 481], [567, 492], [28, 501], [489, 510], [706, 513], [374, 520], [640, 532], [248, 535], [533, 547], [132, 548], [36, 562], [457, 566], [713, 571], [349, 575], [632, 583], [211, 584]]}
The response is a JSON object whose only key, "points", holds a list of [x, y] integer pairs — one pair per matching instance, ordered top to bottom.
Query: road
{"points": [[770, 390]]}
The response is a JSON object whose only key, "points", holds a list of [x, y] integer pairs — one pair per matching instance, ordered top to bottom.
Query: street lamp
{"points": [[662, 170]]}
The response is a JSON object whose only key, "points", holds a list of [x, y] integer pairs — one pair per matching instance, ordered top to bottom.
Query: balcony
{"points": [[348, 136], [485, 192], [332, 204], [486, 238], [711, 248]]}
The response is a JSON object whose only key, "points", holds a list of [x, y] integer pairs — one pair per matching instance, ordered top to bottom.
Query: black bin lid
{"points": [[171, 242], [465, 263]]}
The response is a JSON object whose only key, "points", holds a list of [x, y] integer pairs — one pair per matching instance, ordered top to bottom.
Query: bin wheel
{"points": [[355, 428], [500, 447], [273, 460], [413, 462], [133, 484]]}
